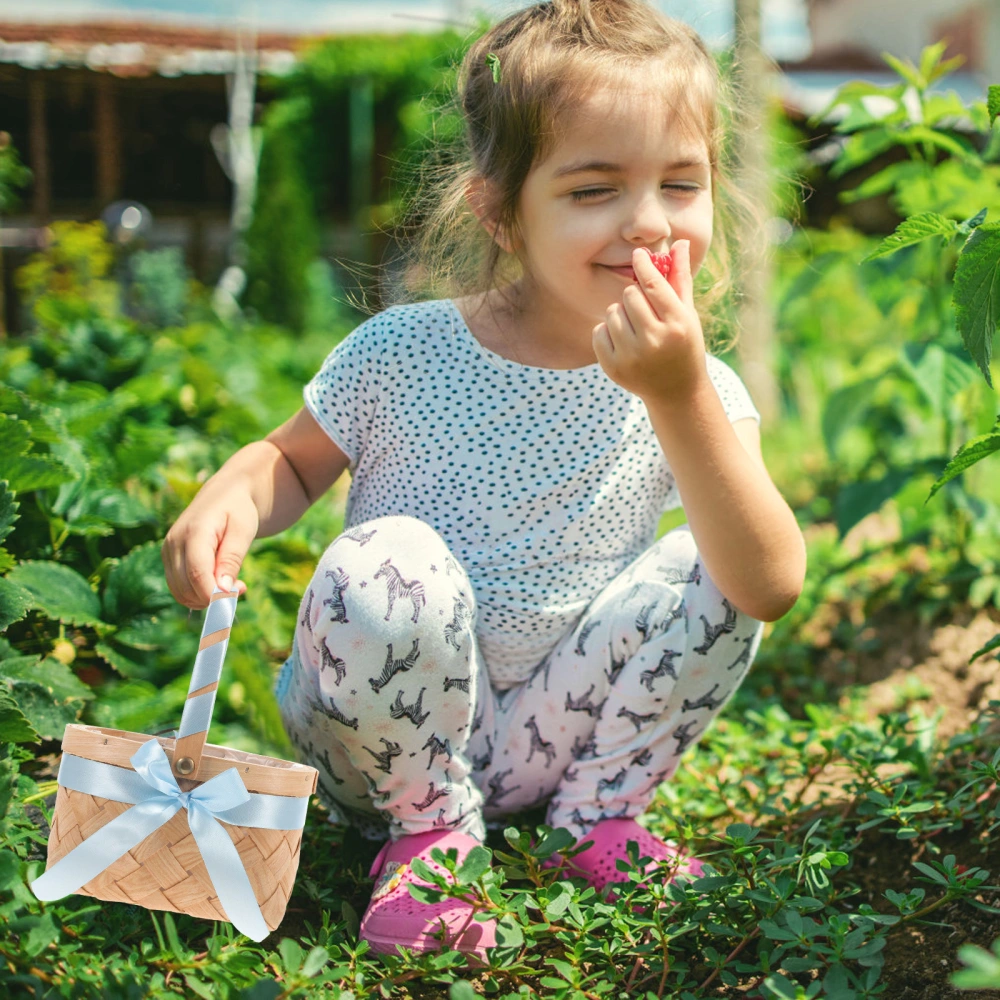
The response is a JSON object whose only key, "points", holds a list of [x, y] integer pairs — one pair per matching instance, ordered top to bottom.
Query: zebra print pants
{"points": [[386, 692]]}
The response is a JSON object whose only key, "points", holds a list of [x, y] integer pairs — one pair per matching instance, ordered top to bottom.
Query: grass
{"points": [[790, 813]]}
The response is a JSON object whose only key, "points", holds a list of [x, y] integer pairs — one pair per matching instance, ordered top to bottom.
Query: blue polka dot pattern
{"points": [[545, 483]]}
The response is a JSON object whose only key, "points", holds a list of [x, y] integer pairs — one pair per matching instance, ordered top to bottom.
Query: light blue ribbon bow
{"points": [[156, 797]]}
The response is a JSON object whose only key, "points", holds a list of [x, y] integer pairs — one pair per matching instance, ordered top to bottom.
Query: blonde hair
{"points": [[516, 83]]}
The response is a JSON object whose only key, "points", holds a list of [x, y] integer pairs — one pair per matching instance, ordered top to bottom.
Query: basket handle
{"points": [[197, 714]]}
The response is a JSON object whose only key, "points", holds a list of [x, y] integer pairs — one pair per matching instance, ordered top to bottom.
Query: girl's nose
{"points": [[647, 222]]}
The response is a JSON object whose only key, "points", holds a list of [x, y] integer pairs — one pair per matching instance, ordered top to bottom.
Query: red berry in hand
{"points": [[662, 262]]}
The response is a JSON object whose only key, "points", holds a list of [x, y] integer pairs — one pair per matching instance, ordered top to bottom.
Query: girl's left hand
{"points": [[652, 343]]}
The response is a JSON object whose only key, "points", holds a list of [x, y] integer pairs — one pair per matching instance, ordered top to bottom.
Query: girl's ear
{"points": [[481, 197]]}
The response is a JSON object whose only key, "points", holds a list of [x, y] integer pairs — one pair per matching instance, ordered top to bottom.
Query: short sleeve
{"points": [[343, 395], [734, 395]]}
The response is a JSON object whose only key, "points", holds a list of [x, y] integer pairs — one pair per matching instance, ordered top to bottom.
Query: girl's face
{"points": [[622, 176]]}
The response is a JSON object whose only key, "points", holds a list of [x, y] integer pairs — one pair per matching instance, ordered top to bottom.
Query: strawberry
{"points": [[662, 262]]}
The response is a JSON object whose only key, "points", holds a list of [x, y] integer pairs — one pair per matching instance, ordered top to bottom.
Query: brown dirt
{"points": [[906, 662]]}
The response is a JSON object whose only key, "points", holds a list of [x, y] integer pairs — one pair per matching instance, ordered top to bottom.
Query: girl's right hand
{"points": [[206, 545]]}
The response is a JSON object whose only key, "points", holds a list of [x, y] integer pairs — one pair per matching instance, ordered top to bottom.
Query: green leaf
{"points": [[493, 62], [906, 70], [993, 102], [862, 147], [959, 147], [890, 178], [915, 229], [977, 294], [939, 374], [844, 408], [15, 436], [971, 452], [33, 472], [857, 500], [110, 507], [8, 509], [137, 585], [59, 591], [14, 602], [994, 643], [120, 662], [52, 674], [46, 715], [14, 725], [555, 840], [476, 864], [421, 869], [10, 870], [932, 873], [424, 893], [561, 895], [43, 932], [509, 933], [291, 954], [315, 960], [264, 989], [462, 990]]}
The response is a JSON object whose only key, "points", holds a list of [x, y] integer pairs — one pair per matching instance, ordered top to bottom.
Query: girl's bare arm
{"points": [[261, 490]]}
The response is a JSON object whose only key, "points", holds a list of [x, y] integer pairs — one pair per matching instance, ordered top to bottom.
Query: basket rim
{"points": [[261, 774]]}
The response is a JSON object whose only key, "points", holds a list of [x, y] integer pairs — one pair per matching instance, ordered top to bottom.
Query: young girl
{"points": [[496, 627]]}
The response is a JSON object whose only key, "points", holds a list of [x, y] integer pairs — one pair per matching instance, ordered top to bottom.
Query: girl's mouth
{"points": [[625, 272]]}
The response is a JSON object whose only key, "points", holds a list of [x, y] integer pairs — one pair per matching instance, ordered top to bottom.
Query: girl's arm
{"points": [[261, 490], [746, 533]]}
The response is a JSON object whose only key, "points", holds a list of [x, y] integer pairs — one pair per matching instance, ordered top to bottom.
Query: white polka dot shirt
{"points": [[544, 483]]}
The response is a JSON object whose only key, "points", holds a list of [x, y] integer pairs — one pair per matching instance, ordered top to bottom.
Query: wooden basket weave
{"points": [[165, 871]]}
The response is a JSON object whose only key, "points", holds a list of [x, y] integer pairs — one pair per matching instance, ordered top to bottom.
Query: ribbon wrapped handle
{"points": [[197, 714]]}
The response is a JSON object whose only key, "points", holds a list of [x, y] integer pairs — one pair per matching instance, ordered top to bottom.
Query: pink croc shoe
{"points": [[611, 837], [395, 917]]}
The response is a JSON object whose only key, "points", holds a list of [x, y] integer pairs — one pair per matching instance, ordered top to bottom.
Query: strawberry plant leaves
{"points": [[915, 229], [977, 294], [15, 435], [971, 452], [33, 472], [112, 508], [8, 510], [137, 585], [59, 591], [14, 602], [120, 662], [55, 677], [47, 716], [14, 725]]}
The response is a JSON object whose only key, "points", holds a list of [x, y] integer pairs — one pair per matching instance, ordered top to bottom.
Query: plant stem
{"points": [[754, 933]]}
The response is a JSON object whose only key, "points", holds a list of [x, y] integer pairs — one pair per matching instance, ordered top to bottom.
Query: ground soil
{"points": [[905, 662]]}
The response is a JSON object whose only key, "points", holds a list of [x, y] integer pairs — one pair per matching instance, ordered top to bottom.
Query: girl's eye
{"points": [[594, 192]]}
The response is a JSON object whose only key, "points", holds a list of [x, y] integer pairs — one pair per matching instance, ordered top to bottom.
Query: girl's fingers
{"points": [[680, 273], [658, 291], [638, 309], [604, 346], [232, 549]]}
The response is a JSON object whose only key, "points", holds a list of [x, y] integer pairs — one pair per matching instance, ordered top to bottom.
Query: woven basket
{"points": [[165, 871]]}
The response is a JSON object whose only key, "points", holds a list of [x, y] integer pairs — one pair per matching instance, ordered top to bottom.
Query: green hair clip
{"points": [[493, 61]]}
